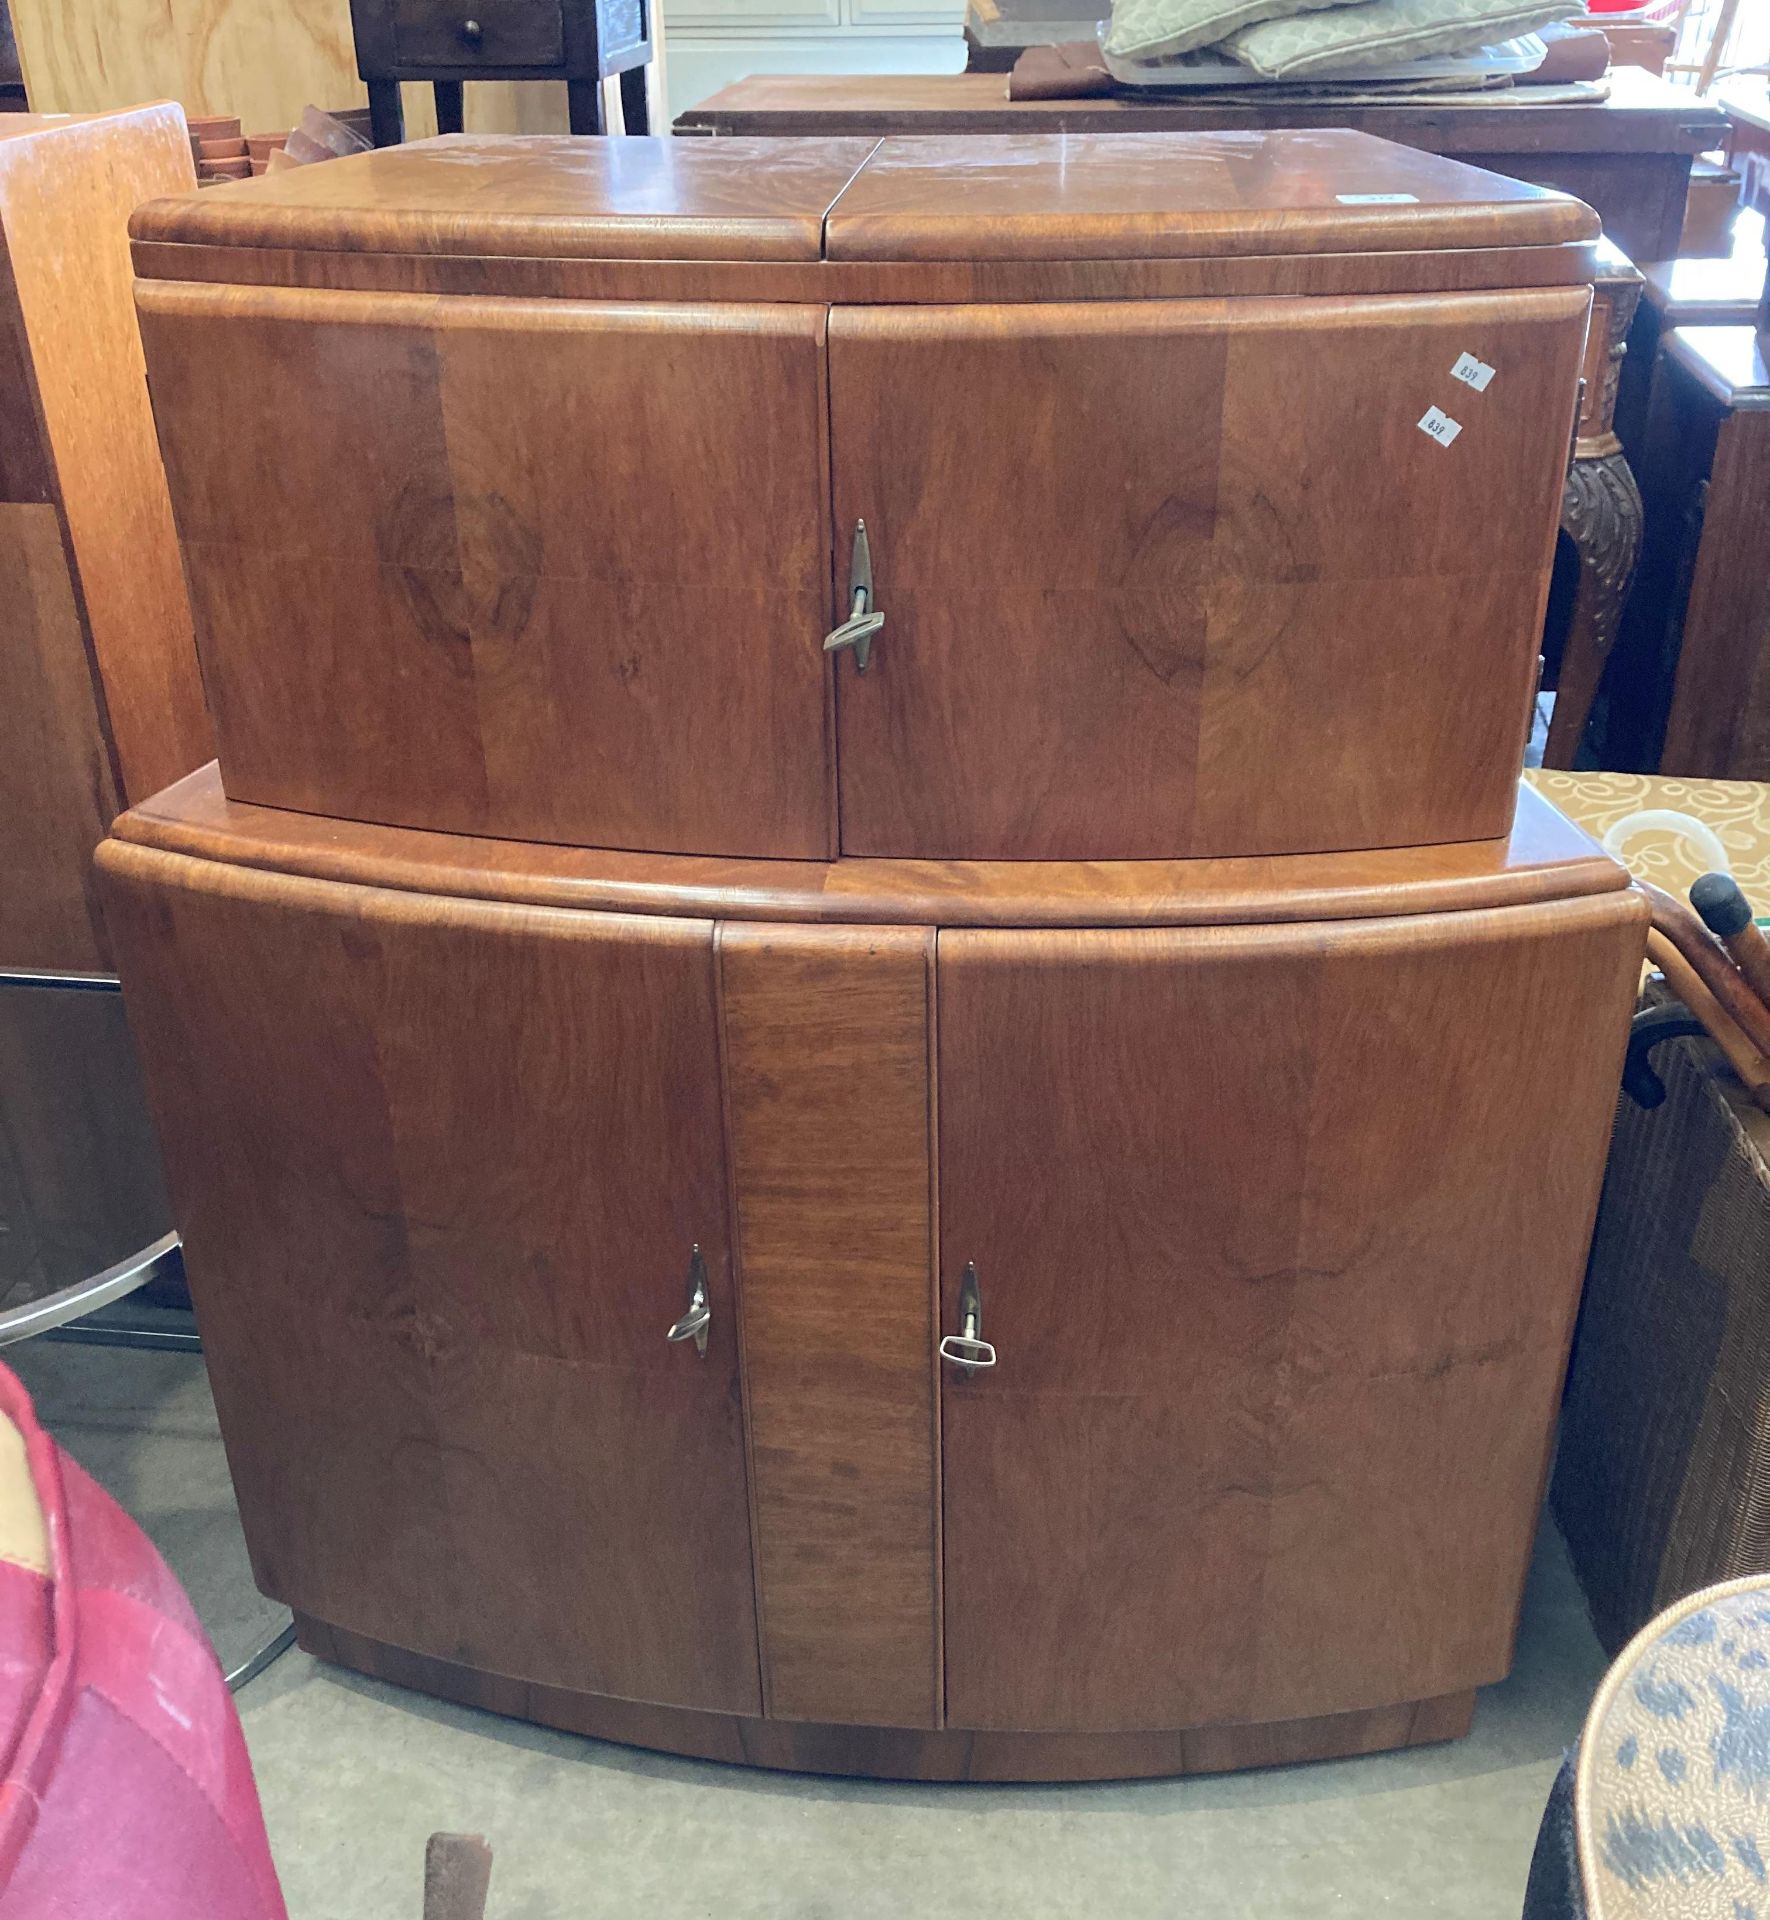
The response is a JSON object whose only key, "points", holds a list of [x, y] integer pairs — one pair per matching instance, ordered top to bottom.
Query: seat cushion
{"points": [[1148, 29], [1384, 33]]}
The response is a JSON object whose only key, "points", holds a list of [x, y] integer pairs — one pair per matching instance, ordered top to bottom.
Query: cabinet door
{"points": [[541, 568], [1187, 577], [439, 1167], [1279, 1233]]}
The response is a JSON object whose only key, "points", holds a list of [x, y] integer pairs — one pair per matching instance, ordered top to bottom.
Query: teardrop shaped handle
{"points": [[864, 620], [857, 632], [694, 1323], [967, 1349]]}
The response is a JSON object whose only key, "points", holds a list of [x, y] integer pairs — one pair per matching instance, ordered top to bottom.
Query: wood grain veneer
{"points": [[1643, 115], [66, 189], [1127, 195], [556, 196], [1082, 197], [867, 282], [1123, 550], [561, 568], [102, 699], [58, 785], [1545, 857], [827, 1042], [453, 1253], [1292, 1323], [1287, 1337], [890, 1753]]}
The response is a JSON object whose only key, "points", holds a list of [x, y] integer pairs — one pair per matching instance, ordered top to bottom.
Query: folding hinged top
{"points": [[535, 195], [1178, 196], [1019, 197]]}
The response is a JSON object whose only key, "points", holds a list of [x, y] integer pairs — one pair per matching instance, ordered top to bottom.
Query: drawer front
{"points": [[478, 33]]}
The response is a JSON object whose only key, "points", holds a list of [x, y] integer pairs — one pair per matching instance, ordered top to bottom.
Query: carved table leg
{"points": [[1600, 509], [1601, 515]]}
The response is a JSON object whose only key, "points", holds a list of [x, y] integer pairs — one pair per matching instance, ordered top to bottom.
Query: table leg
{"points": [[450, 105], [584, 106], [635, 110], [387, 117], [1600, 511], [1601, 515]]}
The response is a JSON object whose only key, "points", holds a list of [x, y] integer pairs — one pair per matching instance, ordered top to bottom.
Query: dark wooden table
{"points": [[449, 42], [1628, 156], [1689, 690]]}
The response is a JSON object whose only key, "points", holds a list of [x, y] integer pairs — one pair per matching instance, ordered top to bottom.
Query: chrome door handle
{"points": [[863, 622], [857, 632], [694, 1323], [967, 1349]]}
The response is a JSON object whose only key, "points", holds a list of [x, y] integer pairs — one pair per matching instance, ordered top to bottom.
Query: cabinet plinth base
{"points": [[900, 1753]]}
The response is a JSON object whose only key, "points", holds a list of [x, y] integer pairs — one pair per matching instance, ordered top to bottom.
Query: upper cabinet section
{"points": [[1210, 483]]}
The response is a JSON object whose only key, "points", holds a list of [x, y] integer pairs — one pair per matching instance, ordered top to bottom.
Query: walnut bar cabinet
{"points": [[997, 1193]]}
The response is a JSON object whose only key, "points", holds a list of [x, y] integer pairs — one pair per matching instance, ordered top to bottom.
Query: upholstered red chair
{"points": [[125, 1790]]}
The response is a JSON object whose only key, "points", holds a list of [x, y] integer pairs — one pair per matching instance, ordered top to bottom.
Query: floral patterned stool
{"points": [[1663, 1810]]}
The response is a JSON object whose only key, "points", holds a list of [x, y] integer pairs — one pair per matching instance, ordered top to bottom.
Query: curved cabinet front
{"points": [[561, 567], [1184, 577], [1159, 578], [439, 1168], [1275, 1232], [1278, 1234]]}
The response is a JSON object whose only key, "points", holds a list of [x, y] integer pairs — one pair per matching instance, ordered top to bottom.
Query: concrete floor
{"points": [[354, 1776]]}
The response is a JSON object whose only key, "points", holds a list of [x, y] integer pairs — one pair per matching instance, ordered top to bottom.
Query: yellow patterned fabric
{"points": [[1737, 812]]}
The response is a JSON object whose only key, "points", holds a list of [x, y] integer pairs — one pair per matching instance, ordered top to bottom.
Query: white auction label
{"points": [[1378, 199], [1472, 372], [1437, 425]]}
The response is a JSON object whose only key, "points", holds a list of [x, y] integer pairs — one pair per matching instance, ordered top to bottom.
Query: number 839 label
{"points": [[1437, 425]]}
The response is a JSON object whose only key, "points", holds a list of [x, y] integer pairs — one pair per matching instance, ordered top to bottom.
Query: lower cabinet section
{"points": [[1275, 1233]]}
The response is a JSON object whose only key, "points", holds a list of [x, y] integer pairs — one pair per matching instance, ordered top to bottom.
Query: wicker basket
{"points": [[1662, 1482]]}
